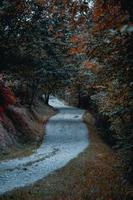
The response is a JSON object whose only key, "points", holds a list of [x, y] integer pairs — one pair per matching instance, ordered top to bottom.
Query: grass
{"points": [[96, 174]]}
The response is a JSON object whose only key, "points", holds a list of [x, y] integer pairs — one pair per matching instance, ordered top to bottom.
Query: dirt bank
{"points": [[22, 130]]}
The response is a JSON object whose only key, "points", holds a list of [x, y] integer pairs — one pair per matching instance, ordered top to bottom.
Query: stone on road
{"points": [[66, 137]]}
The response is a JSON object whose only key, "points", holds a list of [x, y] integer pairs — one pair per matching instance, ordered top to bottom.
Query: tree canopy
{"points": [[82, 46]]}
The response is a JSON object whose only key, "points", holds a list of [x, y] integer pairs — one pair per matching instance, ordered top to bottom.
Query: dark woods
{"points": [[74, 48]]}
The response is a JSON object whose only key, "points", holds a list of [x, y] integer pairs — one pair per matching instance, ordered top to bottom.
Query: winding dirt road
{"points": [[66, 137]]}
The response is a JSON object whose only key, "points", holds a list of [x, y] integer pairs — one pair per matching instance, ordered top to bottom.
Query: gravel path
{"points": [[66, 136]]}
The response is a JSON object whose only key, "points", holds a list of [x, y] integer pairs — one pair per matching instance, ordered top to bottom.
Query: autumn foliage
{"points": [[108, 15], [55, 46], [111, 46], [6, 98]]}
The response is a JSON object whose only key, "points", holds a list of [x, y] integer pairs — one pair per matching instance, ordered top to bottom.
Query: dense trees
{"points": [[34, 41], [112, 43], [77, 45], [28, 47]]}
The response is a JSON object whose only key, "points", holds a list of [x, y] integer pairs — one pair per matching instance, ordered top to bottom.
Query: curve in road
{"points": [[66, 137]]}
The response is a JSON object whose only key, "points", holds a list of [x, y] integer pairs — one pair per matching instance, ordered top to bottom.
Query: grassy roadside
{"points": [[39, 117], [96, 174]]}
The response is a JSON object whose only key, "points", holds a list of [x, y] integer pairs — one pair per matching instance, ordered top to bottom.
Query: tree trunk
{"points": [[33, 93], [79, 96], [46, 99], [79, 99]]}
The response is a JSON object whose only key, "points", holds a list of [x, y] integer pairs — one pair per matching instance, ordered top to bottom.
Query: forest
{"points": [[76, 50]]}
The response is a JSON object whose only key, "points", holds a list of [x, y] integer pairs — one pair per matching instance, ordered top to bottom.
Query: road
{"points": [[66, 137]]}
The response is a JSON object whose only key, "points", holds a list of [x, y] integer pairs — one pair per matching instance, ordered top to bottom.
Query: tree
{"points": [[110, 45]]}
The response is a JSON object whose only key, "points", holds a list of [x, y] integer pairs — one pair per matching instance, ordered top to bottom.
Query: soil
{"points": [[23, 130]]}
